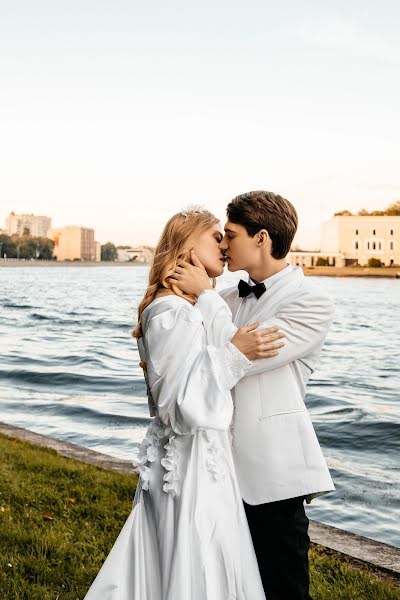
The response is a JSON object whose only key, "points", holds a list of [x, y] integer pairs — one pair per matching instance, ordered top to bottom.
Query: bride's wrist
{"points": [[202, 291]]}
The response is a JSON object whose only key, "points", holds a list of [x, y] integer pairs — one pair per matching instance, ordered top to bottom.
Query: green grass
{"points": [[55, 559], [58, 559], [333, 577]]}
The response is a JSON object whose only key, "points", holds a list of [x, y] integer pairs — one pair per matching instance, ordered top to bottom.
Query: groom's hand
{"points": [[191, 279], [258, 343]]}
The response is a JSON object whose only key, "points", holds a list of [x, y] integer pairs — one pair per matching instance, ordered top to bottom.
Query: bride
{"points": [[187, 536]]}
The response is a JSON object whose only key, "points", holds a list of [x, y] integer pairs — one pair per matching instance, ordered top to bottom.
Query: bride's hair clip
{"points": [[193, 209]]}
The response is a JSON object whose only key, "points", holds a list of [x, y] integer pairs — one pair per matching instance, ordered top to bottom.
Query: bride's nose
{"points": [[223, 245]]}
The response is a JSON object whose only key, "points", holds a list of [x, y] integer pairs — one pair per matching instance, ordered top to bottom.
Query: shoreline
{"points": [[15, 263], [381, 272], [351, 547]]}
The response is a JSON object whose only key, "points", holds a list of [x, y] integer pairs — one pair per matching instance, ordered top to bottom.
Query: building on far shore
{"points": [[38, 225], [361, 237], [75, 243], [98, 251], [141, 254], [303, 258]]}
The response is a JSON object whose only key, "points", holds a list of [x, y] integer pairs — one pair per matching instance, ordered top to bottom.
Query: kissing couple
{"points": [[231, 454]]}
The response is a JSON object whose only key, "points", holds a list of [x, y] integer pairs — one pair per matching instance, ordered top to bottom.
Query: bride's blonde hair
{"points": [[174, 245]]}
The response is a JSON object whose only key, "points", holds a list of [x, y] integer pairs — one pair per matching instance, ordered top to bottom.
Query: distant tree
{"points": [[394, 209], [26, 232], [7, 246], [25, 246], [43, 248], [109, 252], [322, 261], [375, 262]]}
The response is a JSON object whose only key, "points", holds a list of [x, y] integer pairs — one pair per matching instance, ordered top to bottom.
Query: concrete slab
{"points": [[382, 556]]}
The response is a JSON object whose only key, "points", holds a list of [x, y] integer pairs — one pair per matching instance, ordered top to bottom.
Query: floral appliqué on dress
{"points": [[149, 450], [215, 462]]}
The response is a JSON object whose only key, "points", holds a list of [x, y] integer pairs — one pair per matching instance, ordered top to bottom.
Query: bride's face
{"points": [[208, 251]]}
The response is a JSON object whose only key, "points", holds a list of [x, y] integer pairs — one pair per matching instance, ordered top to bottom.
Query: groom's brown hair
{"points": [[266, 210]]}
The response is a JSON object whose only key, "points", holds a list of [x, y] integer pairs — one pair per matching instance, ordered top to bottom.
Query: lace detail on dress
{"points": [[238, 361], [150, 448], [215, 462]]}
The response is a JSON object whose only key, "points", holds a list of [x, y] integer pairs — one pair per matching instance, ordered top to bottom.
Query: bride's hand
{"points": [[190, 278], [258, 343]]}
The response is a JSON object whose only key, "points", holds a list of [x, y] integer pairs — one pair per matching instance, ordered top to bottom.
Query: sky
{"points": [[115, 115]]}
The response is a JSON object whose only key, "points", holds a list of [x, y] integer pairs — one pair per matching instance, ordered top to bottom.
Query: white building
{"points": [[38, 225], [360, 238], [141, 254], [310, 259]]}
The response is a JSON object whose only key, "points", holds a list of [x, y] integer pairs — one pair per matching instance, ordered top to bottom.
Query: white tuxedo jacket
{"points": [[276, 450]]}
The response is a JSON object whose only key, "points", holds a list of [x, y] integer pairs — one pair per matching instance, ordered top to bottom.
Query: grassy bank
{"points": [[59, 519]]}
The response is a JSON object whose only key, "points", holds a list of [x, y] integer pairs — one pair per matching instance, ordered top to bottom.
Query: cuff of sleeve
{"points": [[205, 292], [208, 303], [240, 362], [233, 364]]}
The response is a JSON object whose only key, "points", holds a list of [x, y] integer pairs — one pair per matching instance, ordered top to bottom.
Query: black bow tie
{"points": [[245, 289]]}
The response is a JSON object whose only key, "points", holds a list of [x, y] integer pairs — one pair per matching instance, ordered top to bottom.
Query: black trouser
{"points": [[280, 536]]}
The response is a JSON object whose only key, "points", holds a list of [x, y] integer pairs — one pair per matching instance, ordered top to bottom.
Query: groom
{"points": [[278, 459]]}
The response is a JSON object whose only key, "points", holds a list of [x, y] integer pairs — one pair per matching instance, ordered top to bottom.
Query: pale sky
{"points": [[115, 115]]}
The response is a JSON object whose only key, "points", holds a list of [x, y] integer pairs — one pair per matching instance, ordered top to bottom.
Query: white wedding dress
{"points": [[187, 536]]}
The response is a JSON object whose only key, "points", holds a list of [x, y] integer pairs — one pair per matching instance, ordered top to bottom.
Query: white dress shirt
{"points": [[249, 302]]}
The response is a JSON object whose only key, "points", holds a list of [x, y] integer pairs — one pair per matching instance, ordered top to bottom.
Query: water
{"points": [[69, 369]]}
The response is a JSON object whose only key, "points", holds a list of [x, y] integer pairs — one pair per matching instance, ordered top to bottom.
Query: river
{"points": [[69, 369]]}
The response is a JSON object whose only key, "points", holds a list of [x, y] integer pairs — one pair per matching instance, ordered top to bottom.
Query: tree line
{"points": [[393, 210], [26, 246], [41, 248]]}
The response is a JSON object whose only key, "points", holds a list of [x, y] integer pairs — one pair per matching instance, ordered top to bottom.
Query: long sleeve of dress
{"points": [[217, 317], [305, 322], [189, 380]]}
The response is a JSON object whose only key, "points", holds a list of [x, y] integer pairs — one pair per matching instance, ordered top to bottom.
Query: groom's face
{"points": [[239, 248]]}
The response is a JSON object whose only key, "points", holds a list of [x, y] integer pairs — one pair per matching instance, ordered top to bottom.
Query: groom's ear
{"points": [[262, 238]]}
